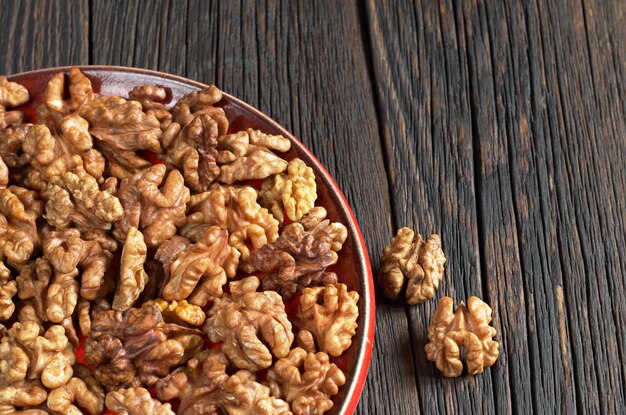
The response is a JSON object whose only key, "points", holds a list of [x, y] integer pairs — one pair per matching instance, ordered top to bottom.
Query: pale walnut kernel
{"points": [[80, 90], [12, 94], [152, 99], [201, 103], [122, 128], [194, 150], [248, 155], [294, 191], [75, 199], [153, 204], [235, 209], [18, 228], [69, 255], [299, 257], [410, 258], [199, 271], [133, 277], [32, 283], [8, 288], [179, 312], [330, 314], [252, 326], [469, 327], [305, 341], [28, 353], [306, 380], [203, 386], [83, 389], [24, 393], [136, 401]]}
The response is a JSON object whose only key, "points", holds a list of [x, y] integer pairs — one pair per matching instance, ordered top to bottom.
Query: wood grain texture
{"points": [[40, 34], [546, 98], [500, 125]]}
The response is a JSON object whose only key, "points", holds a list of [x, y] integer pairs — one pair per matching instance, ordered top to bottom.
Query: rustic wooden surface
{"points": [[500, 125]]}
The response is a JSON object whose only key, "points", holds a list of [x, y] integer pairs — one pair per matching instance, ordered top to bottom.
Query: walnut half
{"points": [[409, 257], [330, 314], [252, 326], [469, 327], [306, 381]]}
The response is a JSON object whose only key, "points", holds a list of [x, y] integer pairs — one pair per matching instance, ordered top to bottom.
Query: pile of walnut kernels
{"points": [[98, 244]]}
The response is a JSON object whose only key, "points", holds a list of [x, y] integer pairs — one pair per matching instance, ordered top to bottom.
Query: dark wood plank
{"points": [[42, 34], [149, 34], [422, 75], [546, 82], [587, 161]]}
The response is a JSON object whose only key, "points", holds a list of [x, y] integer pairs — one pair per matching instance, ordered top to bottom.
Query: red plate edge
{"points": [[365, 351]]}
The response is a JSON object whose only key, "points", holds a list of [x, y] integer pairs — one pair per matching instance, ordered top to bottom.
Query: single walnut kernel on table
{"points": [[129, 231], [420, 264], [468, 327]]}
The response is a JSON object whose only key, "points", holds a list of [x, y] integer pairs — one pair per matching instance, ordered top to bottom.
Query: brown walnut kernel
{"points": [[12, 94], [152, 100], [201, 103], [56, 106], [122, 128], [11, 140], [193, 149], [248, 155], [294, 191], [75, 199], [153, 204], [236, 210], [18, 228], [70, 255], [299, 257], [410, 258], [198, 271], [133, 277], [32, 283], [8, 288], [86, 309], [179, 312], [330, 314], [252, 326], [469, 327], [134, 347], [28, 353], [306, 381], [204, 387], [82, 389], [24, 393], [136, 401]]}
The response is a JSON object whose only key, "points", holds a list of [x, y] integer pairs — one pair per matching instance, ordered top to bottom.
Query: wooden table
{"points": [[499, 125]]}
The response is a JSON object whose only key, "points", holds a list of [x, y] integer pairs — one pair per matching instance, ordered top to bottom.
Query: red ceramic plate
{"points": [[353, 266]]}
